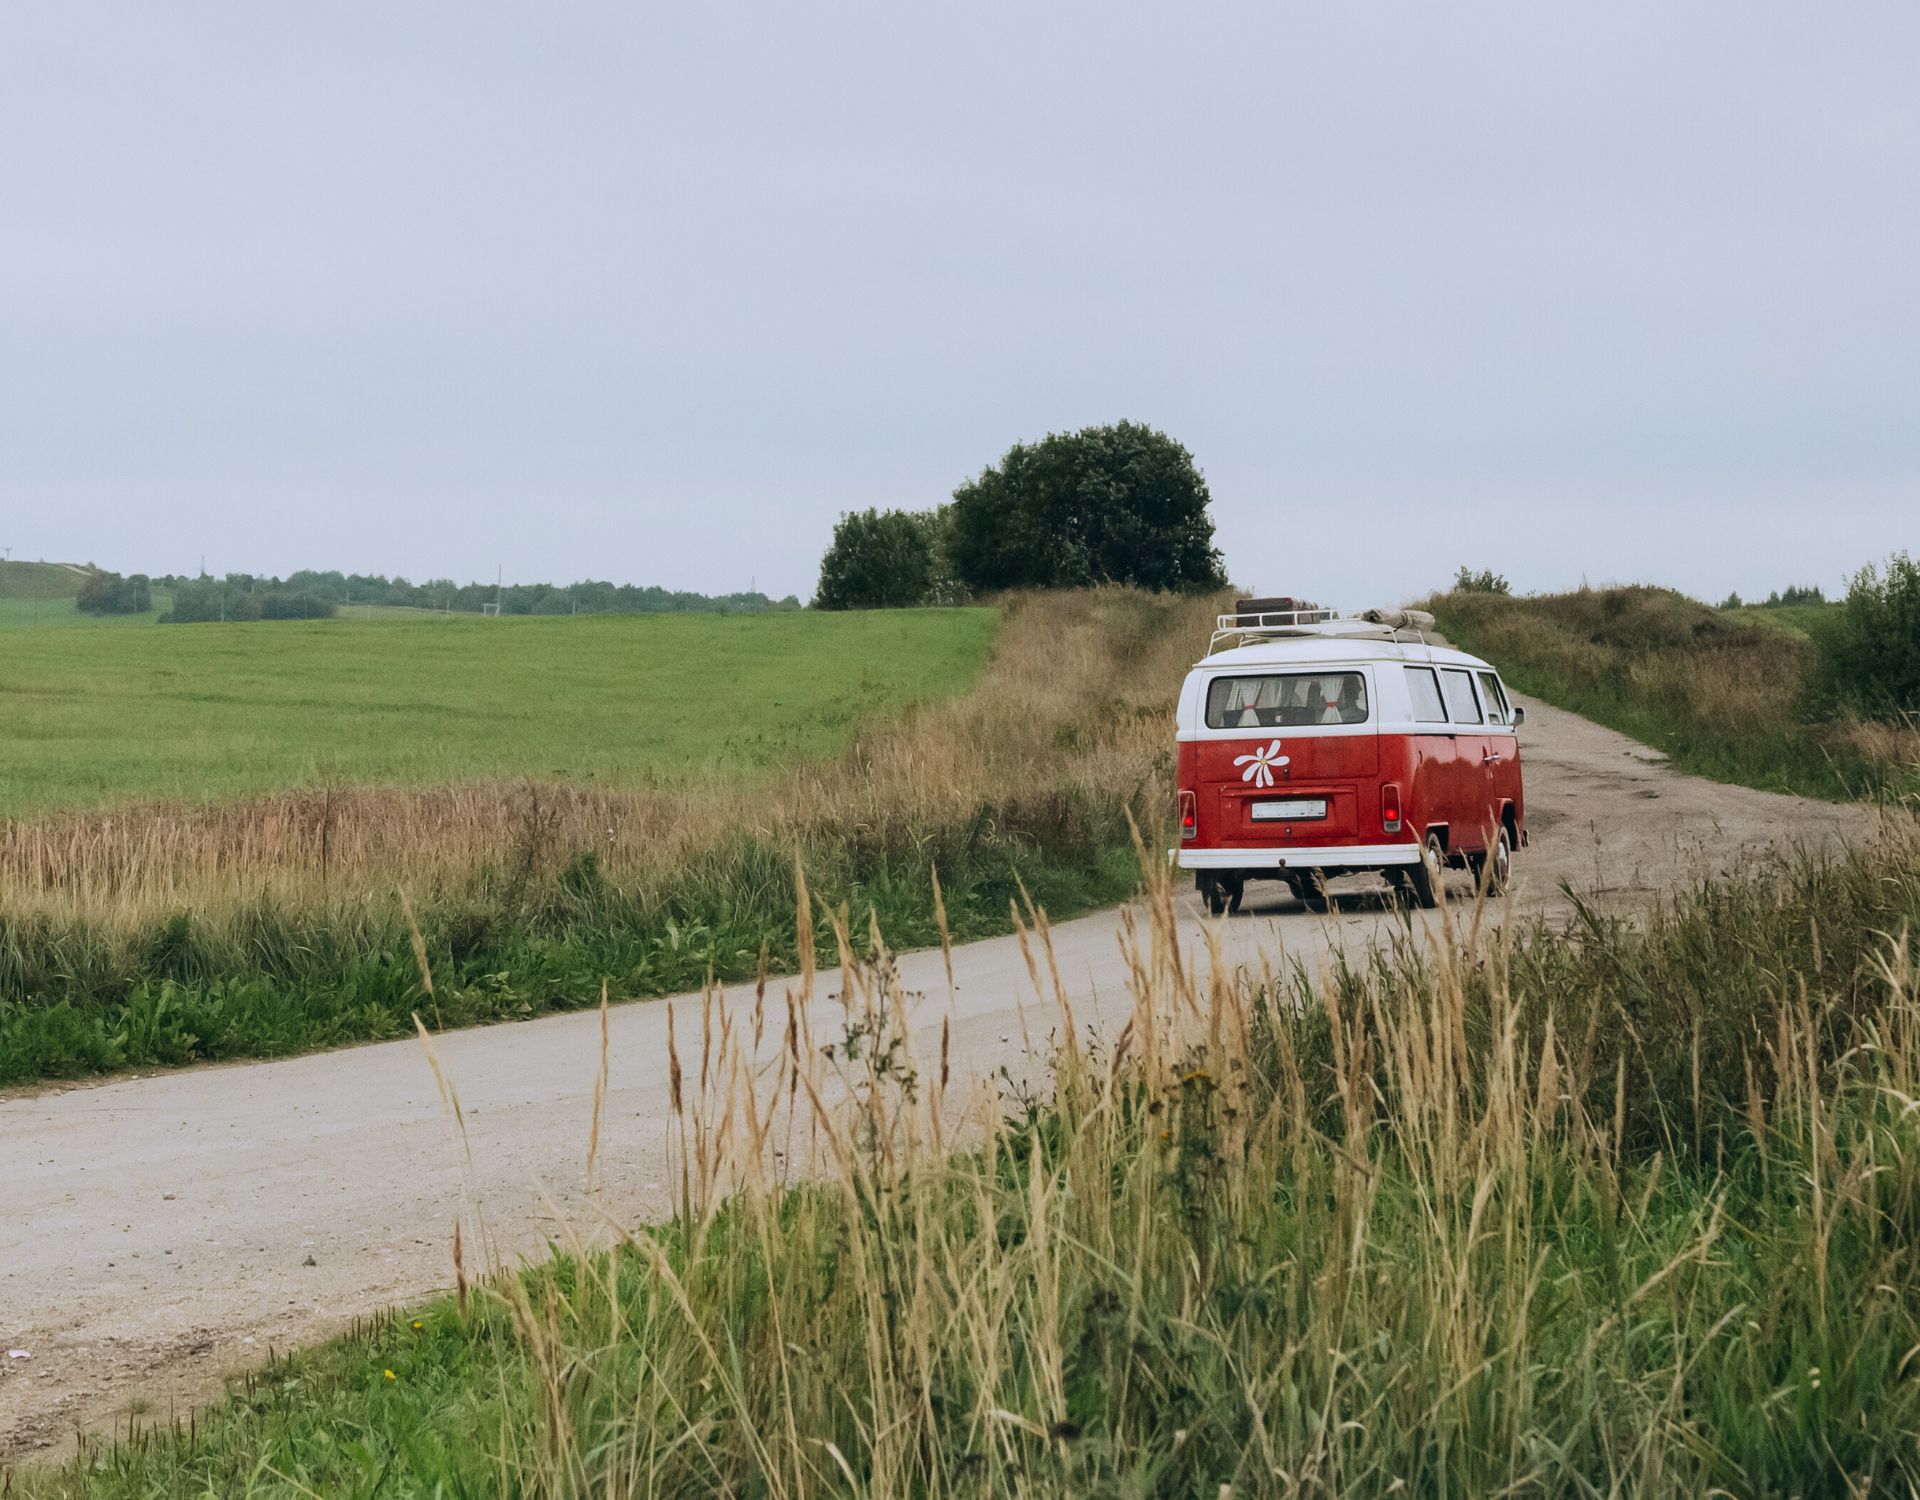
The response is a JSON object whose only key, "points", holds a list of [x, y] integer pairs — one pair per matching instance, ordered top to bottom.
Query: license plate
{"points": [[1293, 809]]}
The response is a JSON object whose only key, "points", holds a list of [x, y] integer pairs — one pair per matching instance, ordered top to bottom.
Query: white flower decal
{"points": [[1260, 764]]}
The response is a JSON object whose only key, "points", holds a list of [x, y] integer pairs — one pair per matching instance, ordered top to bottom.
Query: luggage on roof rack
{"points": [[1267, 619]]}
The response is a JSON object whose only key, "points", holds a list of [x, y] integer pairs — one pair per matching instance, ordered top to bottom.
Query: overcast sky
{"points": [[653, 292]]}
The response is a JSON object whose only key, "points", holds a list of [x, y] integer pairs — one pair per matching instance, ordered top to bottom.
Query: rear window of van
{"points": [[1287, 700]]}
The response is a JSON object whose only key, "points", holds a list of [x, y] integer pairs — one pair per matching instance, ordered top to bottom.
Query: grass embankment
{"points": [[41, 580], [1725, 697], [166, 934], [1633, 1208]]}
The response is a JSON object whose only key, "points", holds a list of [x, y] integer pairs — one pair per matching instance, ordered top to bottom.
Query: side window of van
{"points": [[1424, 689], [1463, 707], [1498, 710]]}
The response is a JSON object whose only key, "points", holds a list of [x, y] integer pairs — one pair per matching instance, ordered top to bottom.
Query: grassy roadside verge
{"points": [[1724, 697], [168, 935], [1630, 1208]]}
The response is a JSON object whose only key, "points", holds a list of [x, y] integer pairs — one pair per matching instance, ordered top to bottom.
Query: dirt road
{"points": [[159, 1232]]}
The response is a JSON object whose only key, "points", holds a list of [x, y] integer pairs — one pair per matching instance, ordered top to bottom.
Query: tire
{"points": [[1494, 869], [1426, 881], [1312, 890], [1236, 892], [1215, 894]]}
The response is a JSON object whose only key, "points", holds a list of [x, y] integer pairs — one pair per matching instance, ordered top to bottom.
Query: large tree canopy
{"points": [[1118, 504]]}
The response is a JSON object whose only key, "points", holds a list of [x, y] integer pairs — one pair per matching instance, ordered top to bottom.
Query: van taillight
{"points": [[1390, 807], [1189, 817]]}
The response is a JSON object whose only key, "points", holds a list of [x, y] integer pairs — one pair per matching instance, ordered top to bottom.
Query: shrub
{"points": [[1119, 504], [878, 560], [1486, 581], [110, 594], [1870, 660]]}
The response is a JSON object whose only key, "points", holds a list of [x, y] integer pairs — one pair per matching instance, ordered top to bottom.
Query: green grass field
{"points": [[38, 614], [200, 712]]}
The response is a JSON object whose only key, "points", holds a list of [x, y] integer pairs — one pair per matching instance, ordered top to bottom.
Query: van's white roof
{"points": [[1298, 650]]}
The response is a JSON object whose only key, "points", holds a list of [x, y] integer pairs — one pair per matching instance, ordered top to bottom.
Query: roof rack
{"points": [[1251, 622]]}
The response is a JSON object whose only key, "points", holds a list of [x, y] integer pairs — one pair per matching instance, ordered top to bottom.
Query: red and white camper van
{"points": [[1315, 743]]}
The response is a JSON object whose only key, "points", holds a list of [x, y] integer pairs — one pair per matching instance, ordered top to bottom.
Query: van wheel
{"points": [[1494, 869], [1426, 881], [1312, 890], [1224, 893]]}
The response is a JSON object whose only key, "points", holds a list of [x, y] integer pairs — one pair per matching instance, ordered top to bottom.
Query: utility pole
{"points": [[499, 573]]}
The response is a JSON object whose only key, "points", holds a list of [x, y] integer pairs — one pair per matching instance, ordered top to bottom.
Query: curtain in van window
{"points": [[1287, 700]]}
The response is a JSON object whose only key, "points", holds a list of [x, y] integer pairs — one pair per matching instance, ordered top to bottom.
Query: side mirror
{"points": [[1519, 716]]}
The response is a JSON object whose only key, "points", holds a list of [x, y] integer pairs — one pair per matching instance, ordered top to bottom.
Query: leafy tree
{"points": [[1118, 504], [878, 560], [1486, 581], [110, 594], [1732, 601], [1871, 657]]}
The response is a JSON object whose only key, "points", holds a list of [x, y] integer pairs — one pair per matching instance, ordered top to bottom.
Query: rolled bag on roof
{"points": [[1398, 619]]}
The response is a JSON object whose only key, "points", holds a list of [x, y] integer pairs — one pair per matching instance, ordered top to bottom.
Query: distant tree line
{"points": [[1116, 504], [1793, 593], [315, 595], [198, 601]]}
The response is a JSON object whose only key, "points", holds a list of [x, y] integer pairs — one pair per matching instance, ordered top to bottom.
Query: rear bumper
{"points": [[1343, 856]]}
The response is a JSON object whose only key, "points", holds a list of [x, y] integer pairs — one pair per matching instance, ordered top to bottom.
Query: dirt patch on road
{"points": [[1611, 817]]}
